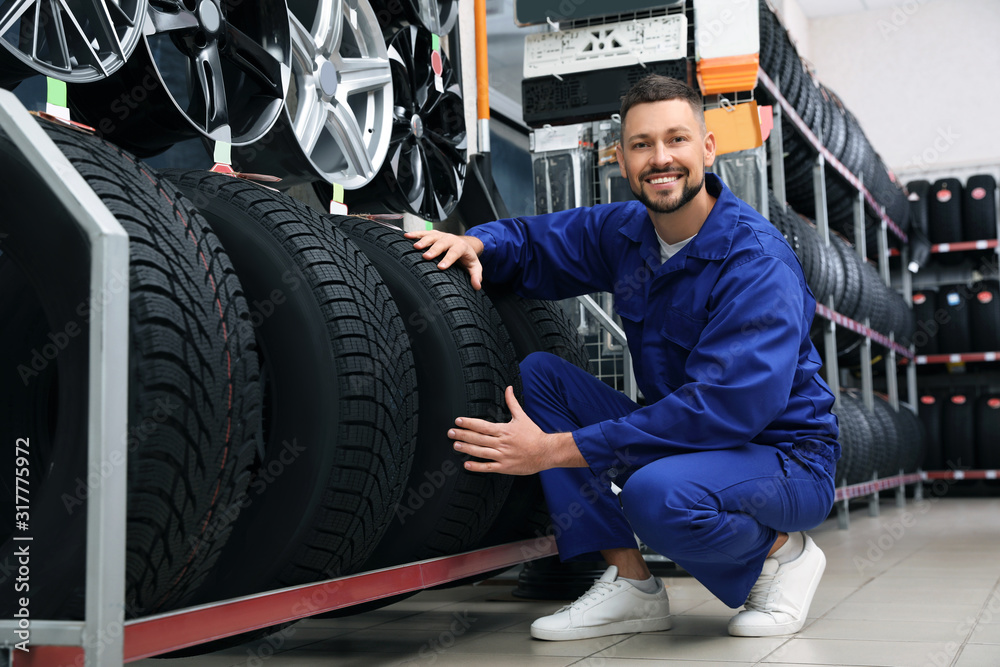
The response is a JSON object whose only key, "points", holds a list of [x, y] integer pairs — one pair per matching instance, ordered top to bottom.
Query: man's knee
{"points": [[539, 364], [655, 503]]}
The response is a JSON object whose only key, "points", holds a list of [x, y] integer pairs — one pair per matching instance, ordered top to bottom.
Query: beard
{"points": [[662, 205]]}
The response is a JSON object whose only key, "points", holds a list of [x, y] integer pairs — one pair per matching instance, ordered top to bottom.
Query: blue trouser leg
{"points": [[715, 513], [586, 514]]}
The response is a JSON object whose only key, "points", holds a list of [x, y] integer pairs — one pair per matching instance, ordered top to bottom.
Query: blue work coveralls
{"points": [[736, 441]]}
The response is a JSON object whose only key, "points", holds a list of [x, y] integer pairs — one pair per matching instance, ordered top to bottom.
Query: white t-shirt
{"points": [[668, 250]]}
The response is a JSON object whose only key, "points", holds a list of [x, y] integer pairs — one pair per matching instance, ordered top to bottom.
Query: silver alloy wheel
{"points": [[438, 16], [79, 41], [215, 68], [338, 117], [424, 171]]}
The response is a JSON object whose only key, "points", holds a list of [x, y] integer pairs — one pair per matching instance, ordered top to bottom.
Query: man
{"points": [[733, 455]]}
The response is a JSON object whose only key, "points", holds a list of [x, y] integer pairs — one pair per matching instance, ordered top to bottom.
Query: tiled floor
{"points": [[914, 587]]}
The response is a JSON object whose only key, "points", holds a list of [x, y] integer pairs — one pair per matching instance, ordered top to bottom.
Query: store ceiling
{"points": [[815, 9]]}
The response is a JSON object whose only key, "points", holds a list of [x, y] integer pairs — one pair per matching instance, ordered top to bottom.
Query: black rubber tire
{"points": [[919, 191], [979, 209], [944, 211], [984, 318], [534, 326], [954, 336], [925, 338], [464, 355], [340, 390], [193, 398], [931, 407], [987, 427], [857, 431], [958, 435], [911, 438], [883, 440], [894, 458]]}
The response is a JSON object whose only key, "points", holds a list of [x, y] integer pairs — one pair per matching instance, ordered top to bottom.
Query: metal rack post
{"points": [[101, 634]]}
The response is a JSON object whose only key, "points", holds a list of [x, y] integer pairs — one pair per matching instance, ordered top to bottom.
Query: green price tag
{"points": [[435, 42], [56, 92], [223, 152], [338, 193]]}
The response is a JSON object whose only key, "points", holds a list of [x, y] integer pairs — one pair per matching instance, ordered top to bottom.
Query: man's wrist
{"points": [[475, 243], [565, 452]]}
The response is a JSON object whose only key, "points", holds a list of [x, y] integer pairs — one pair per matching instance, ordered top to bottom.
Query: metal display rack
{"points": [[828, 311]]}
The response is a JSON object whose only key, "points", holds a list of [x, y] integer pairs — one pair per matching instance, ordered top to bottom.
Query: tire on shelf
{"points": [[919, 191], [979, 209], [944, 211], [984, 318], [534, 326], [954, 336], [925, 338], [465, 359], [339, 389], [193, 392], [931, 407], [987, 427], [857, 431], [958, 433], [911, 438]]}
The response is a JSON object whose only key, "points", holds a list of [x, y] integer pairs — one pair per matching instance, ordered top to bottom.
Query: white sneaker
{"points": [[779, 602], [610, 607]]}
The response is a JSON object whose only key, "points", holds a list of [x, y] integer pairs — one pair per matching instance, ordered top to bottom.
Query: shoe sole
{"points": [[784, 628], [589, 632]]}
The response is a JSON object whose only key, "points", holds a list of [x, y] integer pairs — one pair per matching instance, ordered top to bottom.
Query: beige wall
{"points": [[922, 77]]}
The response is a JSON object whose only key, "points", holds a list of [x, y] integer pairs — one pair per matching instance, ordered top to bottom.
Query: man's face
{"points": [[664, 153]]}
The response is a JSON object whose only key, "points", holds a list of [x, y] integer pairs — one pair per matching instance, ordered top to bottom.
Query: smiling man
{"points": [[733, 454]]}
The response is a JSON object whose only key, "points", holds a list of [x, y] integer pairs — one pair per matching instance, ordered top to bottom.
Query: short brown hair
{"points": [[658, 88]]}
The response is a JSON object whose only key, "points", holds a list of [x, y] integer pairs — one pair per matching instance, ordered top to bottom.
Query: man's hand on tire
{"points": [[463, 249]]}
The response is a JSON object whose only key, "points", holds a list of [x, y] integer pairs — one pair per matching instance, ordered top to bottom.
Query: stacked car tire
{"points": [[840, 133], [836, 271], [292, 380], [880, 442]]}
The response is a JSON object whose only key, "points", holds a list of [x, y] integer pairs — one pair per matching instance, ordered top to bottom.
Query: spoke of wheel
{"points": [[14, 13], [121, 16], [170, 22], [107, 25], [329, 26], [53, 27], [84, 40], [303, 46], [255, 61], [209, 68], [358, 75], [310, 118], [342, 124], [400, 125], [447, 146], [414, 168], [454, 185], [432, 207]]}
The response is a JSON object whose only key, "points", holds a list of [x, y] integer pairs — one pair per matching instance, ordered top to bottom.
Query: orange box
{"points": [[736, 128]]}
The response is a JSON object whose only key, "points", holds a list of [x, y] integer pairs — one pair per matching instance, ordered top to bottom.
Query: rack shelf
{"points": [[830, 158], [960, 246], [858, 328], [927, 359], [172, 631]]}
